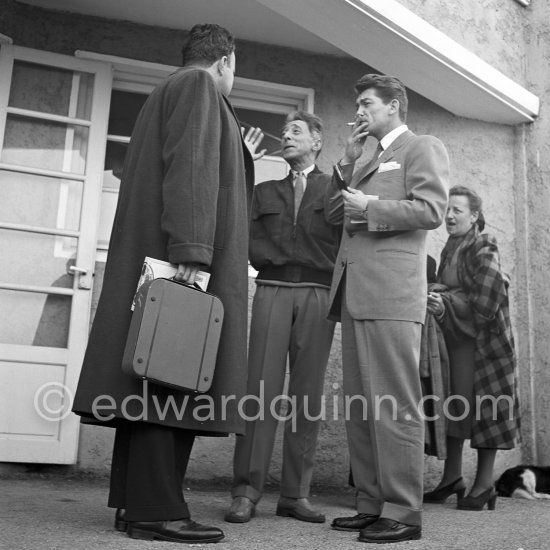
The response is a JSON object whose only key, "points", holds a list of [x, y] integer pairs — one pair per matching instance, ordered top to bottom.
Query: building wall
{"points": [[491, 29], [483, 156], [535, 234]]}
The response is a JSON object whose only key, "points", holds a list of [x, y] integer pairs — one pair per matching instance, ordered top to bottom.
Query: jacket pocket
{"points": [[266, 221], [317, 226], [395, 259]]}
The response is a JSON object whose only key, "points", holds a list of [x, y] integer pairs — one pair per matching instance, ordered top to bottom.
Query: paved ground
{"points": [[45, 512]]}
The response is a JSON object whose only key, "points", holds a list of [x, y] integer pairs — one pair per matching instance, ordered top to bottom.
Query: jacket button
{"points": [[342, 263]]}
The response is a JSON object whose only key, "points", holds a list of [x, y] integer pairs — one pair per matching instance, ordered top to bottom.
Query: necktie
{"points": [[378, 152], [299, 188]]}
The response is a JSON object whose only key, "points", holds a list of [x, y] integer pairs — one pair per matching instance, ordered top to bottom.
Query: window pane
{"points": [[51, 90], [125, 107], [270, 123], [45, 144], [114, 162], [39, 201], [41, 264], [35, 319]]}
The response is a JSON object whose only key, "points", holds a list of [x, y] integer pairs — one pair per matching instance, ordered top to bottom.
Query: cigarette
{"points": [[350, 123]]}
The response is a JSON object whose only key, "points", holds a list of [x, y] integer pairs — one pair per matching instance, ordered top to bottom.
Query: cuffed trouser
{"points": [[285, 320], [381, 381], [147, 471]]}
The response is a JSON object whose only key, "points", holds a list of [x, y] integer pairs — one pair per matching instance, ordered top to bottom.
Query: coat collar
{"points": [[248, 156]]}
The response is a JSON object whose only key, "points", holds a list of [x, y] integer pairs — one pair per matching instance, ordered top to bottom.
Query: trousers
{"points": [[286, 321], [384, 425], [147, 471]]}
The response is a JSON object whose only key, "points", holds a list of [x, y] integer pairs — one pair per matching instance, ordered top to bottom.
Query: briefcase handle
{"points": [[194, 285]]}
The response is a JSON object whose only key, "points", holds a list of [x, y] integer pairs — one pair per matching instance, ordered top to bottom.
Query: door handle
{"points": [[74, 270], [84, 280]]}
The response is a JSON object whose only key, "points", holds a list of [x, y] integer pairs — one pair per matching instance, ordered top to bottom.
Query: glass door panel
{"points": [[51, 90], [53, 121], [45, 144], [35, 200], [40, 267], [35, 319]]}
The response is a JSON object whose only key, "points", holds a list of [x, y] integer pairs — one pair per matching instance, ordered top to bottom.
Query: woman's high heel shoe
{"points": [[439, 496], [488, 497]]}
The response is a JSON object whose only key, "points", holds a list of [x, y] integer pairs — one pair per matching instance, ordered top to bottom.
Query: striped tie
{"points": [[299, 188]]}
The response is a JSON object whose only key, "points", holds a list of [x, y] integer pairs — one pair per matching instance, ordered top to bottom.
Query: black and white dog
{"points": [[531, 482]]}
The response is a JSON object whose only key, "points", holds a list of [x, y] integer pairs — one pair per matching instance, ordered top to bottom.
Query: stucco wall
{"points": [[492, 29], [482, 155], [536, 188]]}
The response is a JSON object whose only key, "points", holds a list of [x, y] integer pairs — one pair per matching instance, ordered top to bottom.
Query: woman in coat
{"points": [[472, 308]]}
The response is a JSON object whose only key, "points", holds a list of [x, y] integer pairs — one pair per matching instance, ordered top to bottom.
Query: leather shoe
{"points": [[299, 508], [242, 509], [120, 520], [355, 523], [180, 530], [387, 530]]}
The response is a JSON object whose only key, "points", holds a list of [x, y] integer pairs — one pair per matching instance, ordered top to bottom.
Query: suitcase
{"points": [[174, 335]]}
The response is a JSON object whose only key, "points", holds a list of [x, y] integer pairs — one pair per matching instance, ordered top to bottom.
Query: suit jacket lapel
{"points": [[399, 142], [386, 156], [365, 171]]}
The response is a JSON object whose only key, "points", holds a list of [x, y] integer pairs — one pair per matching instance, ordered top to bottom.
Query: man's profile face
{"points": [[379, 115], [298, 143]]}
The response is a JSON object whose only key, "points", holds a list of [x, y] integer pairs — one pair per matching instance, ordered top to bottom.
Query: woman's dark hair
{"points": [[206, 44], [387, 88], [474, 202]]}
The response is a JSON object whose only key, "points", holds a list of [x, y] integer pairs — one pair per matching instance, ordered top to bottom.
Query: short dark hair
{"points": [[206, 44], [387, 88], [314, 124], [474, 202]]}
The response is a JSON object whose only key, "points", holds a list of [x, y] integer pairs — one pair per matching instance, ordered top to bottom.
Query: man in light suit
{"points": [[379, 293]]}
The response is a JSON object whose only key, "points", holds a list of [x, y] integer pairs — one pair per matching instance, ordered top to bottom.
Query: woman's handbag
{"points": [[174, 335]]}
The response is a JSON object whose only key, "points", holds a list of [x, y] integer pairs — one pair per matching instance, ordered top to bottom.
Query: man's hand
{"points": [[252, 140], [355, 142], [355, 204], [187, 273]]}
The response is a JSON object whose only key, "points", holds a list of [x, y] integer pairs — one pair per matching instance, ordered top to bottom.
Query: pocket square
{"points": [[387, 166]]}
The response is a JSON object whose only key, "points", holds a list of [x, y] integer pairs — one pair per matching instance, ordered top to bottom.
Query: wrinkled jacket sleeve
{"points": [[191, 155]]}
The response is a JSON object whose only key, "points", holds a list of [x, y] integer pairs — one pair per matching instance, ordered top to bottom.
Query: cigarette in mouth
{"points": [[350, 123]]}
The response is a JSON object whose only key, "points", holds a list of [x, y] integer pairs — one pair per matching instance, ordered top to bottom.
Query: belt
{"points": [[295, 274]]}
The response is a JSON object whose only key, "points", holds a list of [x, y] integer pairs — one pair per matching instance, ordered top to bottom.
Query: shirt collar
{"points": [[390, 137], [306, 172]]}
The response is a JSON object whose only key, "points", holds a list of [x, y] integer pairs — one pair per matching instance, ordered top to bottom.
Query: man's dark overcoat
{"points": [[183, 198]]}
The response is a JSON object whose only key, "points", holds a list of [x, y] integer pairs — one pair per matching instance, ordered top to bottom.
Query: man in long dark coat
{"points": [[183, 199]]}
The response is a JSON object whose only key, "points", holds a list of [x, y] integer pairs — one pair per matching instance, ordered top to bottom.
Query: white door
{"points": [[53, 126]]}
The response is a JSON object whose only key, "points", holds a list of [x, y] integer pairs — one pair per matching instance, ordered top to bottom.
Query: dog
{"points": [[531, 482]]}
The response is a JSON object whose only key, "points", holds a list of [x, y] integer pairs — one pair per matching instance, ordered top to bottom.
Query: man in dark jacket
{"points": [[183, 199], [293, 248]]}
